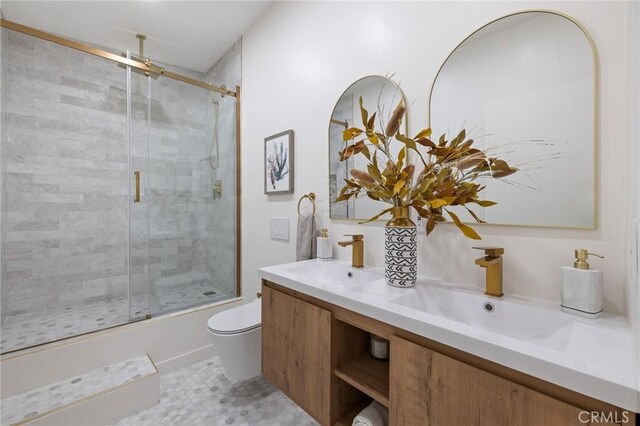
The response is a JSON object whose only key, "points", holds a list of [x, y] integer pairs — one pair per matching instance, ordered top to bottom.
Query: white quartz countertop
{"points": [[590, 356]]}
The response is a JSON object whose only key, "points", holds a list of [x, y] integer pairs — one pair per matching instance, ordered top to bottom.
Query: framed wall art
{"points": [[278, 163]]}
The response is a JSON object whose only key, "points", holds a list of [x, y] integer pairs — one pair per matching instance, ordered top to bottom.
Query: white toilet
{"points": [[236, 337]]}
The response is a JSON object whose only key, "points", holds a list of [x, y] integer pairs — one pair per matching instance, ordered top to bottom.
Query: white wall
{"points": [[296, 64]]}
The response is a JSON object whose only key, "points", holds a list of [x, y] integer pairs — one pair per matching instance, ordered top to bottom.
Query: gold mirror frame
{"points": [[595, 112], [405, 125]]}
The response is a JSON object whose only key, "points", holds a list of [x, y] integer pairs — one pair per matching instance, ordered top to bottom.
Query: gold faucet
{"points": [[357, 253], [492, 261]]}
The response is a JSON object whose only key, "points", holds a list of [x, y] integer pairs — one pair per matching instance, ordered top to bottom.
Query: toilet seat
{"points": [[237, 320]]}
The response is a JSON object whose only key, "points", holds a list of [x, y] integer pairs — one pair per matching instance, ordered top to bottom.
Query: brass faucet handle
{"points": [[355, 237], [491, 251]]}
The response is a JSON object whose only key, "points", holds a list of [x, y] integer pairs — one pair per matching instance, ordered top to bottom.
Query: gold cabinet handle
{"points": [[136, 198]]}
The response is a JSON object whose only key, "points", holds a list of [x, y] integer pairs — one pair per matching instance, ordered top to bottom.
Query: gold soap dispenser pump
{"points": [[582, 292]]}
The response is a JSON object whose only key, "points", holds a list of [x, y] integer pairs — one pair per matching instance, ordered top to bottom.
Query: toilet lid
{"points": [[236, 320]]}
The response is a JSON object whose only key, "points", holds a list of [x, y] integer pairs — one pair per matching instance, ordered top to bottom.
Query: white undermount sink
{"points": [[335, 275], [537, 325]]}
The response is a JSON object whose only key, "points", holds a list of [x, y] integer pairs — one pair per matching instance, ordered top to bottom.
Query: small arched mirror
{"points": [[523, 87], [380, 95]]}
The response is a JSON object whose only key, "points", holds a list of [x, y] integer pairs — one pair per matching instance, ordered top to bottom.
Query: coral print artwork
{"points": [[278, 163]]}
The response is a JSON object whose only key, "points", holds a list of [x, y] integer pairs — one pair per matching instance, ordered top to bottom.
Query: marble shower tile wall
{"points": [[228, 69], [65, 177]]}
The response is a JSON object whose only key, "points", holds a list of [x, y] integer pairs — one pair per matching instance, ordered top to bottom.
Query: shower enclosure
{"points": [[119, 196]]}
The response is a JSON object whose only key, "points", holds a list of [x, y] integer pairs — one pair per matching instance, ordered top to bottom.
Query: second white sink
{"points": [[508, 317]]}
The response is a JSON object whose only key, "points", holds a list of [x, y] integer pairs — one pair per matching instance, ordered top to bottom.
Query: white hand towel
{"points": [[306, 238], [374, 415]]}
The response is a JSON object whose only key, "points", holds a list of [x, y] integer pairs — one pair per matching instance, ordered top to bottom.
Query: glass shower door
{"points": [[138, 109], [64, 192], [192, 192], [118, 193]]}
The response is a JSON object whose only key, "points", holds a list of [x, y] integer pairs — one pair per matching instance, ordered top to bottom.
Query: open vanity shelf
{"points": [[357, 367], [368, 375]]}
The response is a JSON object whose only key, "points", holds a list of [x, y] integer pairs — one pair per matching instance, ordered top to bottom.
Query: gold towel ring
{"points": [[312, 197]]}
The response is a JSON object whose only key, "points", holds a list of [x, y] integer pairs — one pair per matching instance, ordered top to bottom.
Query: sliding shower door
{"points": [[138, 134], [64, 192], [118, 193], [192, 195]]}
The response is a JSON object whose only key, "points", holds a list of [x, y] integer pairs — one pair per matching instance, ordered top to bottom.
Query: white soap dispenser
{"points": [[325, 250], [582, 287]]}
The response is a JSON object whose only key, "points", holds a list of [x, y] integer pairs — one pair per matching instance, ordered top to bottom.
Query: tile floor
{"points": [[25, 330], [202, 394], [33, 402]]}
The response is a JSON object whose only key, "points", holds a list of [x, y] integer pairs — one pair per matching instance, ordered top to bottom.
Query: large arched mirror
{"points": [[524, 88], [380, 95]]}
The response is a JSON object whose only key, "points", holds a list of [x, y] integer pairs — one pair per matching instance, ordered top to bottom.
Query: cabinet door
{"points": [[296, 354], [428, 388]]}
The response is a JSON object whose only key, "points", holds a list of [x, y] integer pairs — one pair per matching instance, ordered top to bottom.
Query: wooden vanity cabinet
{"points": [[302, 344], [295, 350], [317, 354], [428, 388]]}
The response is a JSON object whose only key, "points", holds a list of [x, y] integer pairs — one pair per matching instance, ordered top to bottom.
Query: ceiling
{"points": [[191, 34]]}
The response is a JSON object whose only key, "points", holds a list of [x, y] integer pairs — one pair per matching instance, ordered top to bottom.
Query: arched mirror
{"points": [[523, 87], [380, 95]]}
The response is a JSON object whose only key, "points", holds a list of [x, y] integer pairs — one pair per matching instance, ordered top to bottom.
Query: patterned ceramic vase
{"points": [[400, 245]]}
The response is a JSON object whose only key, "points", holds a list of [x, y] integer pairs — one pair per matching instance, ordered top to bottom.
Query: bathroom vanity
{"points": [[445, 368]]}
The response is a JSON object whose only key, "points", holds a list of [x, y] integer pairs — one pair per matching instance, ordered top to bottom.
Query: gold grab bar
{"points": [[312, 197], [136, 198]]}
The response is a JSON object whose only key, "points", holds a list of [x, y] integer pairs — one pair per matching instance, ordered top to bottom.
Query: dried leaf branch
{"points": [[448, 177]]}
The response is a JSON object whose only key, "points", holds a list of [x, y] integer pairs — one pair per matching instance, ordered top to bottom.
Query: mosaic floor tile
{"points": [[25, 330], [202, 394], [37, 401]]}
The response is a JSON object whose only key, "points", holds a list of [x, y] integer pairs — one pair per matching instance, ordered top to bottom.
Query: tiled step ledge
{"points": [[75, 400]]}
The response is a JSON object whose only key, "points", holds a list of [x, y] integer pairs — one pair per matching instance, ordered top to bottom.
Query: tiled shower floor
{"points": [[25, 330], [202, 394]]}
